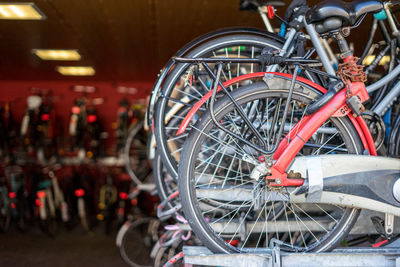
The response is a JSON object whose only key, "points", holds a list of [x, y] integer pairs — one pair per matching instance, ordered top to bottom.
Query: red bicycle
{"points": [[268, 164]]}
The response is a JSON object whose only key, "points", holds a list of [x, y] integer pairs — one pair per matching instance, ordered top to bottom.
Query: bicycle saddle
{"points": [[253, 5], [343, 13]]}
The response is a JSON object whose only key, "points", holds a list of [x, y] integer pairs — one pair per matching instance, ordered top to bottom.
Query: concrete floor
{"points": [[67, 248]]}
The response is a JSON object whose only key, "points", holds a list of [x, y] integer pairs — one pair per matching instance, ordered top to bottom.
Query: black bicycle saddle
{"points": [[346, 12]]}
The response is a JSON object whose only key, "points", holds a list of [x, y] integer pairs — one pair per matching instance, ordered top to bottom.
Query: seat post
{"points": [[343, 45], [319, 48]]}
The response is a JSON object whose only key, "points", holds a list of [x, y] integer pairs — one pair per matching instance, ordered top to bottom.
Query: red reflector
{"points": [[271, 12], [122, 109], [76, 110], [45, 117], [91, 118], [79, 192], [41, 194], [12, 195], [123, 195], [38, 202], [134, 202], [13, 205], [121, 211], [233, 242]]}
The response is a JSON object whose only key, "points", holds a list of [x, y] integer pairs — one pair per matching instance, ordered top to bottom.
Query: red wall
{"points": [[19, 90]]}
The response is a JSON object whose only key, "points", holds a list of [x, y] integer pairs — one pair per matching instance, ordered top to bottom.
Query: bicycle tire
{"points": [[141, 154], [165, 185], [187, 186], [137, 228]]}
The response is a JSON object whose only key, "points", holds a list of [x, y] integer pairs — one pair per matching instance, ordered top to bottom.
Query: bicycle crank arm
{"points": [[355, 181]]}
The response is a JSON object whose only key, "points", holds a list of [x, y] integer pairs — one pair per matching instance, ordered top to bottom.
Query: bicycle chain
{"points": [[351, 72]]}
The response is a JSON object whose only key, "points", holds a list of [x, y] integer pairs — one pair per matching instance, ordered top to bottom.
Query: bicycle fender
{"points": [[196, 107]]}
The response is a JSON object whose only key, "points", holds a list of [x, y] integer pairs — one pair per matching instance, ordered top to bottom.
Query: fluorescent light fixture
{"points": [[20, 11], [57, 54], [369, 59], [76, 70]]}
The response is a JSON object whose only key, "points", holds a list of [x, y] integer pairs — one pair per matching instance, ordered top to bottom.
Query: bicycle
{"points": [[85, 128], [167, 135], [236, 159], [141, 222]]}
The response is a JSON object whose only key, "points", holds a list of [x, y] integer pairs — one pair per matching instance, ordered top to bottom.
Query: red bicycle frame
{"points": [[305, 128]]}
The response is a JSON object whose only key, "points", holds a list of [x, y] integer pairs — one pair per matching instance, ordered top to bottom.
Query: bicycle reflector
{"points": [[271, 12], [76, 110], [122, 110], [45, 117], [91, 118], [79, 192], [41, 194], [12, 195], [123, 195], [38, 202], [100, 217], [234, 242]]}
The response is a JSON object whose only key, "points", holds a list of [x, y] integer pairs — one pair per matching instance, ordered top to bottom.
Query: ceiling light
{"points": [[23, 11], [57, 54], [76, 71]]}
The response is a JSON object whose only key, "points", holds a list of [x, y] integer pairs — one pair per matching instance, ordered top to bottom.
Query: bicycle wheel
{"points": [[187, 84], [135, 154], [215, 170], [165, 184], [138, 240]]}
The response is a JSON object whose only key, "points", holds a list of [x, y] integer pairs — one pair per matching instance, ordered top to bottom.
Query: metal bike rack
{"points": [[365, 256], [388, 256]]}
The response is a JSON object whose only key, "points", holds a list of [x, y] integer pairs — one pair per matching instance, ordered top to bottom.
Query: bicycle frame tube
{"points": [[267, 23], [288, 46], [319, 48], [388, 100], [307, 127]]}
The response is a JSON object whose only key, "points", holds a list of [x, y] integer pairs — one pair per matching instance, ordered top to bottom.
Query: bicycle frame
{"points": [[359, 123]]}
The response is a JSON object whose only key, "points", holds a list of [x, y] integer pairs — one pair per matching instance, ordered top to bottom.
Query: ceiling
{"points": [[121, 39]]}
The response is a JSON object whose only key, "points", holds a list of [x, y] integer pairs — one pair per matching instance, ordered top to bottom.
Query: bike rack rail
{"points": [[388, 256]]}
